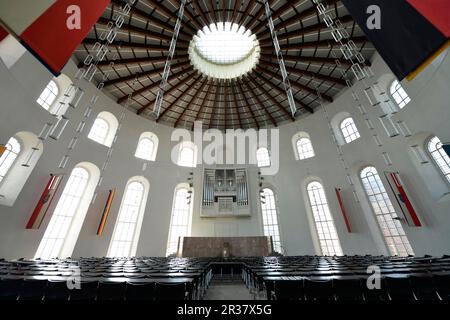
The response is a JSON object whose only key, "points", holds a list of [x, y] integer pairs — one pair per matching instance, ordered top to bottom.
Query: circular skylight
{"points": [[224, 50]]}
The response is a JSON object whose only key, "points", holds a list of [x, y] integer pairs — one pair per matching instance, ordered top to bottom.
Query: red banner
{"points": [[436, 11], [3, 33], [55, 35], [343, 211]]}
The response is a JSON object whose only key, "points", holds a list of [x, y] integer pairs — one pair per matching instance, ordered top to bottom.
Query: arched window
{"points": [[399, 94], [48, 96], [104, 129], [349, 130], [99, 131], [147, 146], [304, 148], [9, 156], [187, 156], [439, 156], [263, 157], [17, 162], [385, 214], [270, 218], [323, 221], [180, 222], [64, 227], [126, 232]]}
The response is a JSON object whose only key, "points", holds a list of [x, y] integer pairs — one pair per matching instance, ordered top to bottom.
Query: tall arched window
{"points": [[399, 94], [48, 96], [349, 130], [99, 131], [147, 146], [304, 148], [9, 156], [439, 156], [187, 157], [263, 157], [385, 214], [270, 218], [323, 221], [180, 222], [62, 232], [126, 232]]}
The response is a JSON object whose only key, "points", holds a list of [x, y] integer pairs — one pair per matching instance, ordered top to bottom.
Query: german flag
{"points": [[411, 33]]}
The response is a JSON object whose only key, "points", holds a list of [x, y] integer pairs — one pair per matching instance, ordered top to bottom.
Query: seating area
{"points": [[303, 278], [312, 278], [104, 279]]}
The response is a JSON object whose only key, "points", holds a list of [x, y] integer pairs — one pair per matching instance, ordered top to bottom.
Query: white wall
{"points": [[428, 112]]}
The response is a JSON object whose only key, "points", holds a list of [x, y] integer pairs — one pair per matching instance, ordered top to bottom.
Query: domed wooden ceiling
{"points": [[255, 100]]}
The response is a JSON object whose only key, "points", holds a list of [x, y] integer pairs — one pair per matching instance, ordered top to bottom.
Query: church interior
{"points": [[191, 150]]}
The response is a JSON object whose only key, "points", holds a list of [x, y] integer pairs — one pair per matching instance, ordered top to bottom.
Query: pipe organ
{"points": [[225, 193]]}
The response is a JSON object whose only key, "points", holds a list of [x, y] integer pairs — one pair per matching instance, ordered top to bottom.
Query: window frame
{"points": [[396, 89], [44, 102], [91, 132], [348, 136], [8, 152], [302, 154], [442, 154], [267, 161], [322, 210], [390, 216], [123, 217], [171, 242], [277, 243]]}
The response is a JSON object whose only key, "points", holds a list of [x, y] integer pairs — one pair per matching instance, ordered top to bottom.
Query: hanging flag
{"points": [[3, 33], [408, 34], [54, 35], [398, 188], [44, 202], [106, 210], [343, 211]]}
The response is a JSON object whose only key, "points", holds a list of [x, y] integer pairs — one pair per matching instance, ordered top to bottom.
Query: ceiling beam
{"points": [[250, 5], [197, 6], [137, 13], [275, 14], [257, 15], [297, 33], [133, 45], [145, 60], [308, 60], [309, 74], [139, 75], [155, 84], [299, 86], [172, 89], [283, 92], [216, 97], [270, 97], [178, 98], [193, 98], [235, 103], [260, 103], [202, 104], [247, 104]]}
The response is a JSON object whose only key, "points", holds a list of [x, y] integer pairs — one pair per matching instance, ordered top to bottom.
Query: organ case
{"points": [[225, 193]]}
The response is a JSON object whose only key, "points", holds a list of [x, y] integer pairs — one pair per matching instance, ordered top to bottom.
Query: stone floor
{"points": [[235, 290]]}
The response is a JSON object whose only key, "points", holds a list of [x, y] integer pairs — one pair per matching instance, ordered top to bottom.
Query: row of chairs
{"points": [[25, 289], [347, 289]]}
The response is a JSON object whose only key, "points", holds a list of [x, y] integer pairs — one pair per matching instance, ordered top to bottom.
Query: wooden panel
{"points": [[197, 247]]}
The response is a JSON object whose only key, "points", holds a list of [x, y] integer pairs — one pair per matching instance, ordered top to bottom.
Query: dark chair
{"points": [[442, 284], [423, 288], [10, 289], [32, 289], [318, 289], [348, 289], [400, 289], [57, 290], [288, 290], [87, 291], [111, 291], [140, 291], [170, 292], [376, 294]]}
